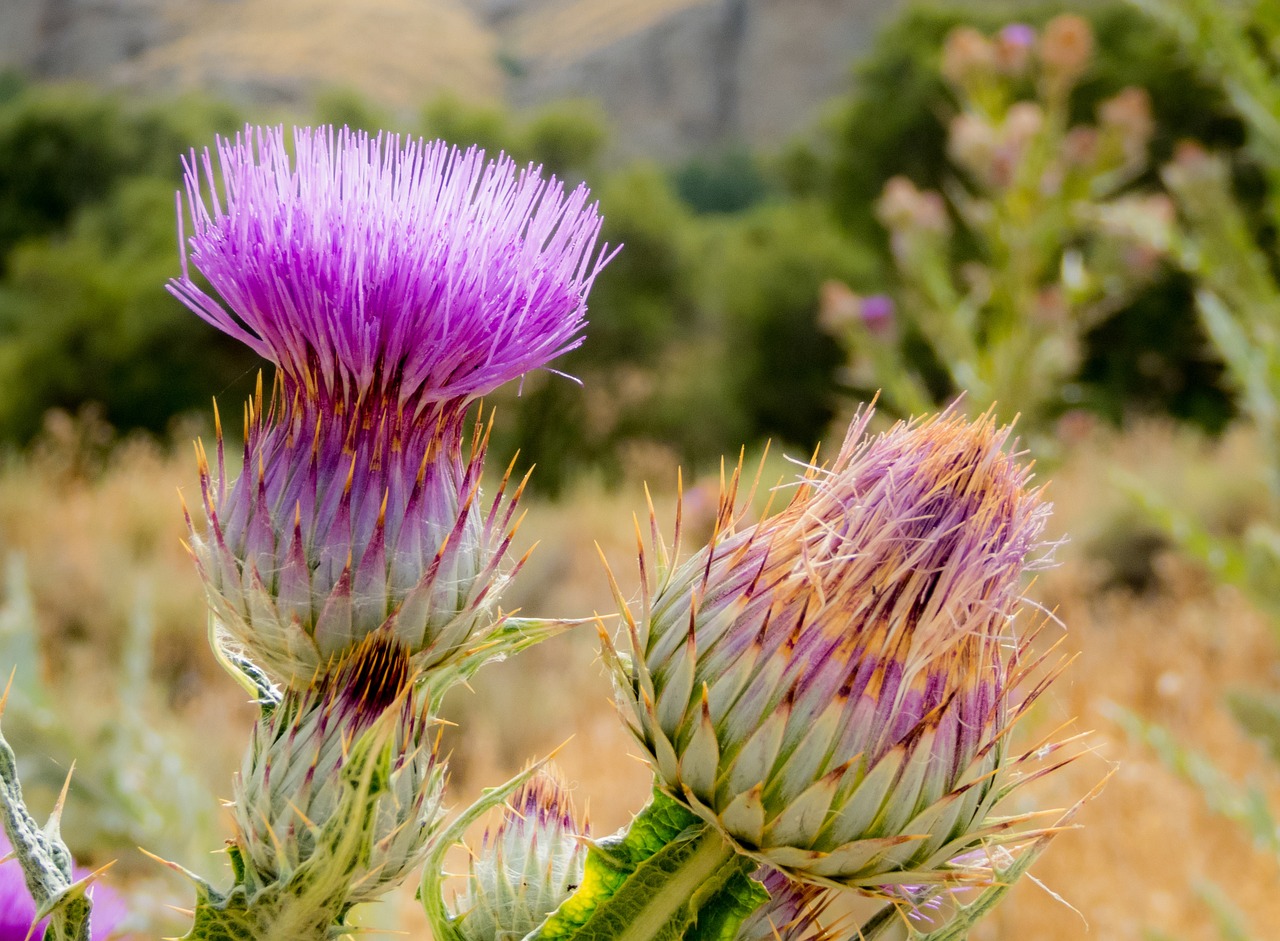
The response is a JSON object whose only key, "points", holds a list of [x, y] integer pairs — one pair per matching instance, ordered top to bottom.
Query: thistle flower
{"points": [[391, 285], [832, 688], [289, 797], [527, 867]]}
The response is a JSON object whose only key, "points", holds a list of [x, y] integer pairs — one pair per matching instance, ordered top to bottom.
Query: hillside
{"points": [[674, 76]]}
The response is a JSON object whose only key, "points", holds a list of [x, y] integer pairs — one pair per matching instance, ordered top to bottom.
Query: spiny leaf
{"points": [[44, 857], [670, 876]]}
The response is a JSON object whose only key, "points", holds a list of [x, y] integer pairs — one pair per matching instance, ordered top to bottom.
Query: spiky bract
{"points": [[335, 529], [833, 686], [292, 787], [527, 867], [791, 914]]}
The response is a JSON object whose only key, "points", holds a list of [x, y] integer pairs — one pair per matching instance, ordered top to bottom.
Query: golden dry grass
{"points": [[563, 31], [397, 52], [1144, 847]]}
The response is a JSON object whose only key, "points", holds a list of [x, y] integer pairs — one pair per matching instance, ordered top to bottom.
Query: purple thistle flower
{"points": [[1021, 35], [365, 266], [391, 285], [877, 311], [833, 687]]}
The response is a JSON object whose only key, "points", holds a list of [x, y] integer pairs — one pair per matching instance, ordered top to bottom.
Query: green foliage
{"points": [[346, 107], [566, 138], [871, 142], [868, 143], [64, 148], [58, 150], [728, 182], [86, 244], [763, 273], [85, 317], [703, 336], [45, 859], [669, 876]]}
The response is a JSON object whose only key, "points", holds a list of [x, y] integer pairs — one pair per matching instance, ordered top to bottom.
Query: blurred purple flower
{"points": [[1018, 34], [878, 312], [18, 910]]}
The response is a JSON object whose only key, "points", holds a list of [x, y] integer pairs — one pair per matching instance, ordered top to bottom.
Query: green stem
{"points": [[705, 855], [671, 877]]}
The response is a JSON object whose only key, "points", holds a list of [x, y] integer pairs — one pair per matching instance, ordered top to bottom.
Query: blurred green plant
{"points": [[567, 138], [867, 144], [86, 187], [1036, 242], [1225, 243], [84, 317], [134, 785]]}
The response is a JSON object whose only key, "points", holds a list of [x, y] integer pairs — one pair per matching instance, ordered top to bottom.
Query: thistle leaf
{"points": [[44, 857], [669, 876]]}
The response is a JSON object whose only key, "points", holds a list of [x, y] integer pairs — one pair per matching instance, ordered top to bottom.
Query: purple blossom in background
{"points": [[1018, 34], [391, 283], [877, 312], [18, 910]]}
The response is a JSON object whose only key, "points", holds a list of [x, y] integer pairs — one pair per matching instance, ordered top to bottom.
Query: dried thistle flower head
{"points": [[391, 283], [833, 687], [526, 867]]}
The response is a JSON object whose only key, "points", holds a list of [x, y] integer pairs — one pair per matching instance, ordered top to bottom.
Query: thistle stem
{"points": [[708, 861], [671, 876]]}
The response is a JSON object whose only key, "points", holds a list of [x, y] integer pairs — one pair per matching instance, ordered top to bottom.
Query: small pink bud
{"points": [[1066, 47], [966, 55]]}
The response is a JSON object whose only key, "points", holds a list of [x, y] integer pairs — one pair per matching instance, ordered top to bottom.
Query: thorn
{"points": [[7, 686], [55, 816]]}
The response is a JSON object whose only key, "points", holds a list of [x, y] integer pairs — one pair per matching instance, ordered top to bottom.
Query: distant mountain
{"points": [[674, 76]]}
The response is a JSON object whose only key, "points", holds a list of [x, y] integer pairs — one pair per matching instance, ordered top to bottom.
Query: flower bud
{"points": [[1015, 44], [1066, 46], [967, 55], [1128, 116], [877, 312], [335, 529], [832, 688], [292, 791], [527, 867]]}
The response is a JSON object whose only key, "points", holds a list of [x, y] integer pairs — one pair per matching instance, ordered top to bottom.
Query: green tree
{"points": [[84, 317]]}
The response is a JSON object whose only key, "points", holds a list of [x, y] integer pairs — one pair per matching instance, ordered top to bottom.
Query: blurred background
{"points": [[1065, 211]]}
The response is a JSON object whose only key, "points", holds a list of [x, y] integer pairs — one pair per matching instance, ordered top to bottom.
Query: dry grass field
{"points": [[96, 527]]}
